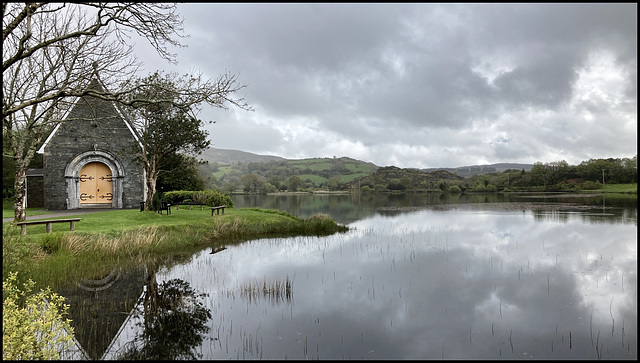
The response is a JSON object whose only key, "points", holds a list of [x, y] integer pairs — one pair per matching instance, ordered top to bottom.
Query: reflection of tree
{"points": [[174, 321]]}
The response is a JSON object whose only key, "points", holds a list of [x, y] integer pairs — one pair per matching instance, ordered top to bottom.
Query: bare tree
{"points": [[30, 28], [49, 51]]}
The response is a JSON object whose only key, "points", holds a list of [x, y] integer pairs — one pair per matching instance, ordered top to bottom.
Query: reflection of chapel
{"points": [[90, 159]]}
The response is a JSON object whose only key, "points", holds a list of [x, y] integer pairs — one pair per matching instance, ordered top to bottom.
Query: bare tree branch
{"points": [[157, 22]]}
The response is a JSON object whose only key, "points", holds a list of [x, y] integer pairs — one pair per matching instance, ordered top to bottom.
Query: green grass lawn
{"points": [[616, 188], [621, 188], [7, 210], [122, 237]]}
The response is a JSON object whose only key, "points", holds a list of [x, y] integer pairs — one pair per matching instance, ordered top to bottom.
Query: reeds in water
{"points": [[275, 291]]}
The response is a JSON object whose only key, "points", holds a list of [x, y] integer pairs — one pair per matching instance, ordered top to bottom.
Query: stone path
{"points": [[61, 213]]}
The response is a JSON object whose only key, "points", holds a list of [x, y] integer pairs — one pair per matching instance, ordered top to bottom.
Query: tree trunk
{"points": [[152, 177], [19, 199], [151, 294]]}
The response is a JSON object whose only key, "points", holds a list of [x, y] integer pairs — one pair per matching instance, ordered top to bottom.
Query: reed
{"points": [[274, 291]]}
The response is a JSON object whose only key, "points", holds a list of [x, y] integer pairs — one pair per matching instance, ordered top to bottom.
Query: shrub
{"points": [[396, 184], [590, 185], [454, 189], [155, 202], [51, 242], [15, 253], [32, 324]]}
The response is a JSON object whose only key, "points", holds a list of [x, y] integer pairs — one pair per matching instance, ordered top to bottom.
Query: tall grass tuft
{"points": [[128, 243]]}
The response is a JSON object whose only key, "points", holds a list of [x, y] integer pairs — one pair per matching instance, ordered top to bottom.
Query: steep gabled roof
{"points": [[96, 84]]}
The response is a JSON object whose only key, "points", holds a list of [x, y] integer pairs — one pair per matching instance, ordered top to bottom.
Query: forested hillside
{"points": [[467, 171], [346, 174], [293, 175], [547, 177]]}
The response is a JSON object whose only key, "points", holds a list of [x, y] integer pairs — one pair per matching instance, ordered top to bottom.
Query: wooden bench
{"points": [[190, 204], [218, 209], [48, 222]]}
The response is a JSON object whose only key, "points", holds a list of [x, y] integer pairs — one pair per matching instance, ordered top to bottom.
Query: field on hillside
{"points": [[316, 170]]}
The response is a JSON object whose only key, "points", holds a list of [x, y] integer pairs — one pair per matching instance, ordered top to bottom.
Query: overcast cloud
{"points": [[419, 85]]}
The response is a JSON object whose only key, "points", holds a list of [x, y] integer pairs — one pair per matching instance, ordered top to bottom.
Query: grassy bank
{"points": [[621, 188], [104, 240]]}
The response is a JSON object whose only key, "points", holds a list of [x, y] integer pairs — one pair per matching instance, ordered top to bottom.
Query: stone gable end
{"points": [[94, 131]]}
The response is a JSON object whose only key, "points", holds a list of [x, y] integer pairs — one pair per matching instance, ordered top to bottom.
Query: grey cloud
{"points": [[430, 76]]}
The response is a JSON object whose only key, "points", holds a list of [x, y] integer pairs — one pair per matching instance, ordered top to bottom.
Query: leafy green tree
{"points": [[168, 125], [164, 129], [591, 169], [630, 170], [182, 173], [538, 173], [276, 181], [406, 181], [294, 182], [251, 183], [333, 183], [396, 184]]}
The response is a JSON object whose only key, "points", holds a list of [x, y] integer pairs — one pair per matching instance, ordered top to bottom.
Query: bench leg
{"points": [[73, 226], [49, 227], [23, 229]]}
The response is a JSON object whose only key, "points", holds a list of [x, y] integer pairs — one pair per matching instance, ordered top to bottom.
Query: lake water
{"points": [[417, 277]]}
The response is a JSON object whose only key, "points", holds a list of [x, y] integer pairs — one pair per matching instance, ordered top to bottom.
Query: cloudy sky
{"points": [[419, 85]]}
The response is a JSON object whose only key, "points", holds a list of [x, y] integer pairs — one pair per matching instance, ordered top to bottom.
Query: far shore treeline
{"points": [[346, 174], [351, 175]]}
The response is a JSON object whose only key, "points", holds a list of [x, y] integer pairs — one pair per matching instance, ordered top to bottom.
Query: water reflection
{"points": [[349, 208], [481, 282], [428, 285], [99, 306], [169, 319]]}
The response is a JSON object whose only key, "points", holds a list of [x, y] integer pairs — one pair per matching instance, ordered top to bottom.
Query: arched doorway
{"points": [[94, 180], [96, 184]]}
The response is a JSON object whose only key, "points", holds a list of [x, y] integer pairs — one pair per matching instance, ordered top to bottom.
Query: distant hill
{"points": [[230, 156], [467, 171], [414, 178]]}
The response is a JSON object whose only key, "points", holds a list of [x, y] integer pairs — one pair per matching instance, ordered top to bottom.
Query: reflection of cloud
{"points": [[458, 285]]}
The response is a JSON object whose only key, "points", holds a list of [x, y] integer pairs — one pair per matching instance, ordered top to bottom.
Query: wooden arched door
{"points": [[96, 184]]}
